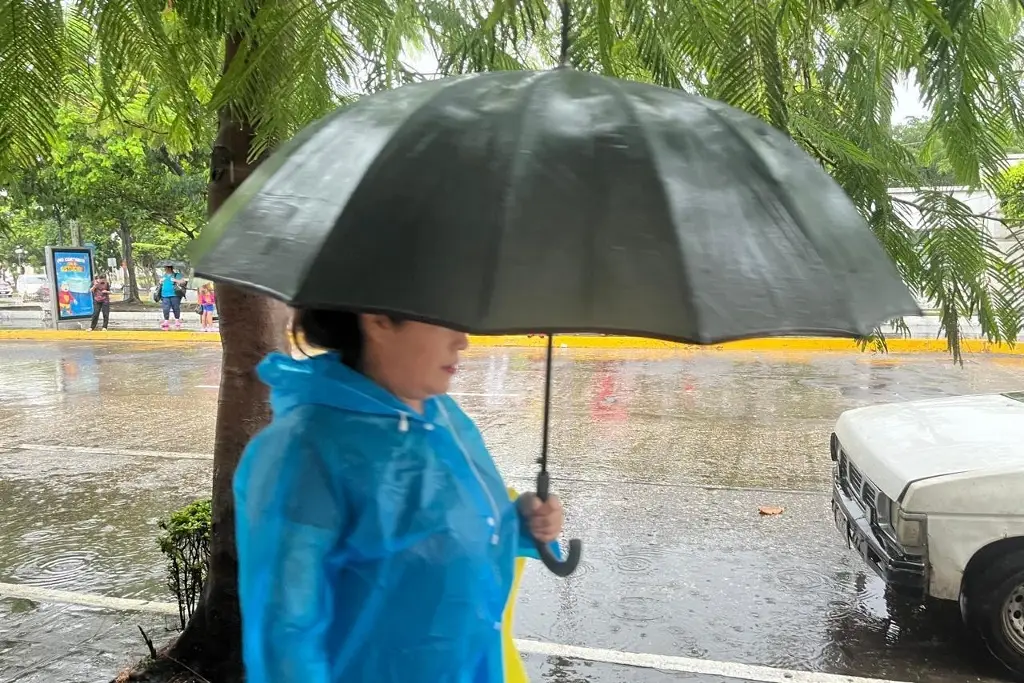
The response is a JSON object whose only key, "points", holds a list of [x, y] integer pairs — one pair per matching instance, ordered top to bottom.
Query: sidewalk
{"points": [[144, 326]]}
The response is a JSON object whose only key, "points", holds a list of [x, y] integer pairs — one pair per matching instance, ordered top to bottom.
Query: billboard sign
{"points": [[71, 274]]}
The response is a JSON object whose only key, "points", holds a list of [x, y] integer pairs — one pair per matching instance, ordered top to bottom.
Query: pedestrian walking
{"points": [[172, 289], [100, 302], [207, 305], [377, 542]]}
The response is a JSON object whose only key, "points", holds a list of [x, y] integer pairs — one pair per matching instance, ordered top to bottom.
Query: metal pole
{"points": [[51, 281]]}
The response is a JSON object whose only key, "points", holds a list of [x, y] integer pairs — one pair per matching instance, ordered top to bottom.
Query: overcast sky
{"points": [[908, 102]]}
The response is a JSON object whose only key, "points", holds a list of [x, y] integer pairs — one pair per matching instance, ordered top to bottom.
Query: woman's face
{"points": [[413, 360]]}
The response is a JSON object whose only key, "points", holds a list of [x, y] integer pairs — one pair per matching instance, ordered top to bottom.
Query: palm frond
{"points": [[33, 54], [962, 270]]}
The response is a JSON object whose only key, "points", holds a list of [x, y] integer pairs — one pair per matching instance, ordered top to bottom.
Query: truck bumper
{"points": [[905, 574]]}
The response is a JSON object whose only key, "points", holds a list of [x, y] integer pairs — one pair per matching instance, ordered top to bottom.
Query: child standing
{"points": [[207, 305]]}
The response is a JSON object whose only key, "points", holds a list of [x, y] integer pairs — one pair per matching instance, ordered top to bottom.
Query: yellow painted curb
{"points": [[109, 335], [804, 344]]}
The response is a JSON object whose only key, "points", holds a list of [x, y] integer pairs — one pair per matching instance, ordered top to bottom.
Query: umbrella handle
{"points": [[562, 568]]}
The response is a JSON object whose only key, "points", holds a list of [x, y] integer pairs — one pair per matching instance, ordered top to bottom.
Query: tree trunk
{"points": [[58, 218], [129, 261], [251, 326]]}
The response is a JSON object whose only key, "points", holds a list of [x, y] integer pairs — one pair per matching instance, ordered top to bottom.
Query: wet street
{"points": [[662, 460]]}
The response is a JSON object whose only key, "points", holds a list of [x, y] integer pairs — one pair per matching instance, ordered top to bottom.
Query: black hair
{"points": [[338, 331]]}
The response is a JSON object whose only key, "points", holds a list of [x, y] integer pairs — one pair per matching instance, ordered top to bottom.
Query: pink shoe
{"points": [[177, 324], [165, 325]]}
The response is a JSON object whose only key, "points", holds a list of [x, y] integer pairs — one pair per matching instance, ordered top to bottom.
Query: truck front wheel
{"points": [[993, 607]]}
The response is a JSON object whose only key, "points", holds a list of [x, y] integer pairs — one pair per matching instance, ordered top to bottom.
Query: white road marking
{"points": [[207, 386], [115, 451], [38, 594], [640, 660], [690, 665]]}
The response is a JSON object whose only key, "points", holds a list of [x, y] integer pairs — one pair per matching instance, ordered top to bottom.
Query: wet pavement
{"points": [[662, 459]]}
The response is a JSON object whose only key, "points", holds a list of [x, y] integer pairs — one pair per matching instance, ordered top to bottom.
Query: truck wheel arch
{"points": [[986, 555]]}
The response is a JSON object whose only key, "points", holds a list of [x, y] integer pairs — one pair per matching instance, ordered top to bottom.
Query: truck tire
{"points": [[992, 605]]}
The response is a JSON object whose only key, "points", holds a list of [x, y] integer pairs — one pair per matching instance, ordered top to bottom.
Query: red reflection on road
{"points": [[606, 406]]}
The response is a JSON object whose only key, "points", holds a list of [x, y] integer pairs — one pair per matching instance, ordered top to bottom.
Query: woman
{"points": [[172, 287], [100, 302], [376, 539]]}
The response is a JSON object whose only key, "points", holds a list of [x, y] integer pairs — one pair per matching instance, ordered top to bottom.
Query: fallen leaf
{"points": [[768, 510]]}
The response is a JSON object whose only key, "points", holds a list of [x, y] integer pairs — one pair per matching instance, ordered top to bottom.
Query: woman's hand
{"points": [[545, 518]]}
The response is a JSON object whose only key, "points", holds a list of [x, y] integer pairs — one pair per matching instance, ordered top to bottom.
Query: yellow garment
{"points": [[515, 672]]}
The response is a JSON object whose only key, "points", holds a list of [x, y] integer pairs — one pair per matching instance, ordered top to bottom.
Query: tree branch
{"points": [[164, 157], [1008, 222], [172, 224]]}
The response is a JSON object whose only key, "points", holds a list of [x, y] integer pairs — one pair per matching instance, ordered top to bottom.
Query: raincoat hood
{"points": [[325, 380]]}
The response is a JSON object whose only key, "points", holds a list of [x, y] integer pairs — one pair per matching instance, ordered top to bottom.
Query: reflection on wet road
{"points": [[662, 459]]}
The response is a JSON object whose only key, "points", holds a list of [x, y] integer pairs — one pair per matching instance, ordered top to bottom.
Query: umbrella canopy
{"points": [[557, 201], [178, 265]]}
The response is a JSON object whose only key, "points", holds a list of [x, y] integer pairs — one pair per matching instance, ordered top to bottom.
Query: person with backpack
{"points": [[170, 292]]}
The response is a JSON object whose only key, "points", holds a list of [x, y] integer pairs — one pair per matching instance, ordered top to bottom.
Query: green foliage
{"points": [[824, 71], [928, 152], [116, 180], [120, 185], [1009, 189], [30, 235], [962, 270], [185, 544]]}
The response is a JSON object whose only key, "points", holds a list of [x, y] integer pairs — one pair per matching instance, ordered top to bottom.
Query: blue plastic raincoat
{"points": [[375, 544]]}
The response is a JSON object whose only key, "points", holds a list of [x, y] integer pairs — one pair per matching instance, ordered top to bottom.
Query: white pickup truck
{"points": [[931, 494]]}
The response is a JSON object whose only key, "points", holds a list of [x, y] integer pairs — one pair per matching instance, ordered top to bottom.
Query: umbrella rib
{"points": [[512, 186], [781, 195], [683, 272]]}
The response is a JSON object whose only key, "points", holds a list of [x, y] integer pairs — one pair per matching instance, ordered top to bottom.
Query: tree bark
{"points": [[128, 257], [251, 326]]}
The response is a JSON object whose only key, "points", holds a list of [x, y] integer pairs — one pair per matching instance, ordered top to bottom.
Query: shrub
{"points": [[185, 542]]}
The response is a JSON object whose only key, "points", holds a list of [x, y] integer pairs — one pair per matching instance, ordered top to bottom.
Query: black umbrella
{"points": [[557, 201], [179, 265]]}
